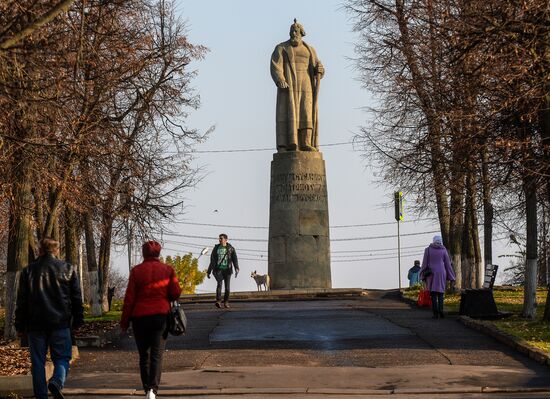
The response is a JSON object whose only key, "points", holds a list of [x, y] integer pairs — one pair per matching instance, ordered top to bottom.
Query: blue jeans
{"points": [[60, 345]]}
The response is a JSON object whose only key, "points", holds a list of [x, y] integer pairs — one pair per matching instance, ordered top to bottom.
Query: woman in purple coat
{"points": [[437, 260]]}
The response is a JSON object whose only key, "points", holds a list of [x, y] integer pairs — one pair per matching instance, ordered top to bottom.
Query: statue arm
{"points": [[320, 69], [277, 73]]}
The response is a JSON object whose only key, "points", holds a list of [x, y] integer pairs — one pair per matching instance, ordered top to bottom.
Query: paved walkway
{"points": [[370, 346]]}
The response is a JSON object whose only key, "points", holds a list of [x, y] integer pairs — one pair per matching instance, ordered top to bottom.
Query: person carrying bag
{"points": [[436, 270], [152, 286]]}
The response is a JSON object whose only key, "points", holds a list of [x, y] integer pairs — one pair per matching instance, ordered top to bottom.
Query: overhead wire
{"points": [[259, 149], [332, 227], [332, 239], [332, 252], [335, 258]]}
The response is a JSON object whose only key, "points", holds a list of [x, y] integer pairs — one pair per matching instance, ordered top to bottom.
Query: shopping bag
{"points": [[424, 298]]}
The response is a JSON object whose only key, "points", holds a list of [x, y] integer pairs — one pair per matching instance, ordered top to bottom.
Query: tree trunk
{"points": [[432, 117], [545, 133], [487, 210], [39, 212], [51, 224], [456, 230], [55, 231], [71, 237], [18, 240], [33, 246], [543, 251], [470, 254], [468, 257], [104, 262], [479, 269], [530, 289], [95, 295], [546, 316]]}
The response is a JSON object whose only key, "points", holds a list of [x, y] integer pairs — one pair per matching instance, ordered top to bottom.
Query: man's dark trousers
{"points": [[222, 276], [150, 339], [60, 344]]}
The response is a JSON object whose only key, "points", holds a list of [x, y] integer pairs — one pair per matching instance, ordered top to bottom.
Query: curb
{"points": [[280, 295], [488, 328], [97, 341], [519, 344], [16, 384], [22, 384], [305, 390]]}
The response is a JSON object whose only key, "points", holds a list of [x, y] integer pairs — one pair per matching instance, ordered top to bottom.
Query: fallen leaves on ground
{"points": [[96, 328], [14, 360]]}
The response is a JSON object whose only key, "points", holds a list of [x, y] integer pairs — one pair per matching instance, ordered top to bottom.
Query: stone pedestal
{"points": [[299, 242]]}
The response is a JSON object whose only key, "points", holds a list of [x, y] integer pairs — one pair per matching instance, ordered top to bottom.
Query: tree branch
{"points": [[62, 6]]}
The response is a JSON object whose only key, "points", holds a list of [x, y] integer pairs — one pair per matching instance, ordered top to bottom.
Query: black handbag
{"points": [[427, 271], [177, 321]]}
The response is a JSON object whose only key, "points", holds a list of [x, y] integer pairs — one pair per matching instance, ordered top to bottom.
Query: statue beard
{"points": [[295, 41]]}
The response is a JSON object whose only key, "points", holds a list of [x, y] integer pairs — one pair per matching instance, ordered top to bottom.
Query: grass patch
{"points": [[508, 299], [113, 315], [535, 332]]}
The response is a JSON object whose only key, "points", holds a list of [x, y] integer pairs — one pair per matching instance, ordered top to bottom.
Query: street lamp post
{"points": [[398, 206], [203, 252]]}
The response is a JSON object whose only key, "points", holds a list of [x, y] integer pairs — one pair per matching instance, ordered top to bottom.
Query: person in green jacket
{"points": [[222, 262]]}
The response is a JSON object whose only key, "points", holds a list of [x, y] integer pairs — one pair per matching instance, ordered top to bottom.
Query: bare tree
{"points": [[94, 101], [461, 113]]}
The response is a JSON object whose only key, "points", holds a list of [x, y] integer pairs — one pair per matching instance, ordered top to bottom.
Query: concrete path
{"points": [[370, 346]]}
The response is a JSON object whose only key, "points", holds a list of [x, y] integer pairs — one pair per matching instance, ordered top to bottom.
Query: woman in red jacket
{"points": [[151, 287]]}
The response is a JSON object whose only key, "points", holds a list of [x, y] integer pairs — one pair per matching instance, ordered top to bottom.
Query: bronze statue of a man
{"points": [[297, 72]]}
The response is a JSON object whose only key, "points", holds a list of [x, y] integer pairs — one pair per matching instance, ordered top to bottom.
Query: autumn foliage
{"points": [[187, 271]]}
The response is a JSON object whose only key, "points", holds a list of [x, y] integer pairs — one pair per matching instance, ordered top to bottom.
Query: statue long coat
{"points": [[291, 114]]}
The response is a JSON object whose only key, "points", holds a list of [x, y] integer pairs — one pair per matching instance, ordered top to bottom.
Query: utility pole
{"points": [[398, 206], [129, 242]]}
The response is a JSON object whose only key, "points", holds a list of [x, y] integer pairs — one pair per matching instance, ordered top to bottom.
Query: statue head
{"points": [[297, 31]]}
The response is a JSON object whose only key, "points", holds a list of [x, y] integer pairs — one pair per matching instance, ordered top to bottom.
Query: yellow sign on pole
{"points": [[398, 203]]}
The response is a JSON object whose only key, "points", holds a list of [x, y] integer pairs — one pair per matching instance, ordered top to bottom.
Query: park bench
{"points": [[480, 303]]}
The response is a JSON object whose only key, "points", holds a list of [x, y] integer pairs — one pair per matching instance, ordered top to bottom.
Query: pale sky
{"points": [[238, 97]]}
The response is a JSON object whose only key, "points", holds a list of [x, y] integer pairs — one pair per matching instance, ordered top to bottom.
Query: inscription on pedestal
{"points": [[298, 187], [299, 237]]}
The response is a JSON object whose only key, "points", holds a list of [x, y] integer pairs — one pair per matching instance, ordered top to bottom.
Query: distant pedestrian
{"points": [[222, 261], [436, 270], [414, 274], [151, 287], [49, 303]]}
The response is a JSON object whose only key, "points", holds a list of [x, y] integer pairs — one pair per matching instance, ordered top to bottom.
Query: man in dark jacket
{"points": [[222, 261], [49, 303]]}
